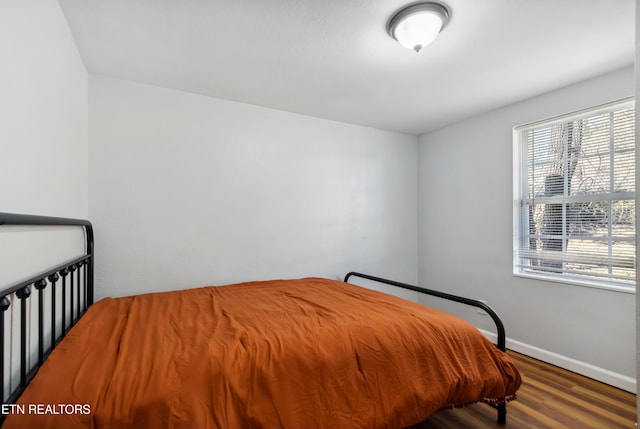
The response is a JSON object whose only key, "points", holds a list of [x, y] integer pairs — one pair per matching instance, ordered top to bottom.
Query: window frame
{"points": [[521, 189]]}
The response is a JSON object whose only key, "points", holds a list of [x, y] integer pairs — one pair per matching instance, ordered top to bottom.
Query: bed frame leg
{"points": [[502, 414]]}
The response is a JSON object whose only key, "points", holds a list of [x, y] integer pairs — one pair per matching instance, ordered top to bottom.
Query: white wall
{"points": [[43, 106], [43, 132], [188, 190], [466, 237]]}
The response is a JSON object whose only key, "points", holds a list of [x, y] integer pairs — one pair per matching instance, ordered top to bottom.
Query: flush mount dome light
{"points": [[417, 25]]}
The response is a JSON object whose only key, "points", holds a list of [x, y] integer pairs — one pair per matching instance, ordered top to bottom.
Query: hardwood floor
{"points": [[550, 397]]}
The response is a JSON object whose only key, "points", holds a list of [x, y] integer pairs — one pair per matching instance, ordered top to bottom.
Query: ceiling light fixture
{"points": [[417, 25]]}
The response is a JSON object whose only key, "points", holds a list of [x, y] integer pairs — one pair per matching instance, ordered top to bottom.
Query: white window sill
{"points": [[576, 282]]}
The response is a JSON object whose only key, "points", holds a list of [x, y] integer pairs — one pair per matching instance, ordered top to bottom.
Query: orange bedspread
{"points": [[310, 353]]}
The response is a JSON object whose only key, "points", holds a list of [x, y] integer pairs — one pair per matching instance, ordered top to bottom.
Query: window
{"points": [[575, 198]]}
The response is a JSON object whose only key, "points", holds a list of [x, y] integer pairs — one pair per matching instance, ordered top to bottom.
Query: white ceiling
{"points": [[333, 58]]}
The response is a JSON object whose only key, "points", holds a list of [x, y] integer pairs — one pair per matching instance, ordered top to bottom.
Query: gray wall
{"points": [[43, 106], [188, 190], [465, 226]]}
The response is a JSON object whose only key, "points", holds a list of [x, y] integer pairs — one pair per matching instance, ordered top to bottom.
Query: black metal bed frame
{"points": [[80, 274], [501, 343]]}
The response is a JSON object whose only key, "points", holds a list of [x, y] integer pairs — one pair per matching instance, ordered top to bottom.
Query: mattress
{"points": [[307, 353]]}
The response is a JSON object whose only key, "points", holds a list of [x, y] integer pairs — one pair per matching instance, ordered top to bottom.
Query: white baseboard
{"points": [[604, 375]]}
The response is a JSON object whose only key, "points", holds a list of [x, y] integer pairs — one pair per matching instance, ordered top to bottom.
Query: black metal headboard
{"points": [[75, 280]]}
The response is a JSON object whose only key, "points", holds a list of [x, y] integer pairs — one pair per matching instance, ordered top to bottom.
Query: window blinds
{"points": [[576, 214]]}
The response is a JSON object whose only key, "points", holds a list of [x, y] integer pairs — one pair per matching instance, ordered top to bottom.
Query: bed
{"points": [[300, 353]]}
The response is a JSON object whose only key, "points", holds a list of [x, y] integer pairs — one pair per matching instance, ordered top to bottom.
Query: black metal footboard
{"points": [[74, 282], [501, 343]]}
